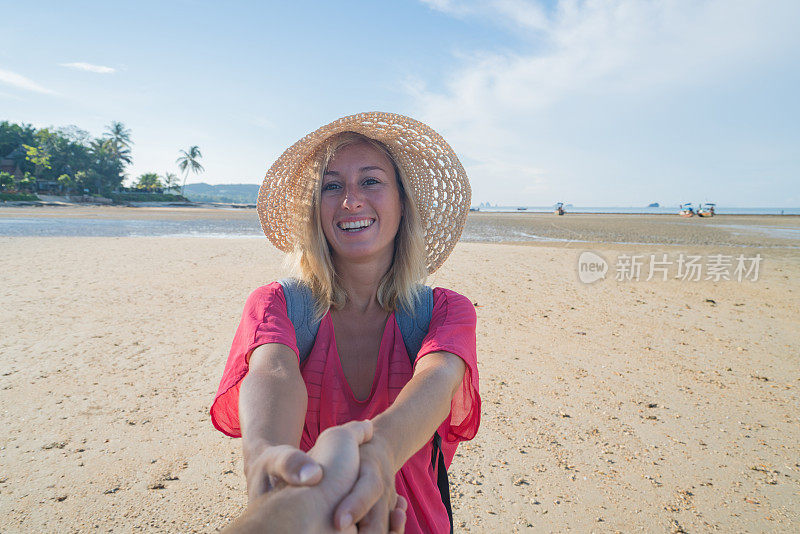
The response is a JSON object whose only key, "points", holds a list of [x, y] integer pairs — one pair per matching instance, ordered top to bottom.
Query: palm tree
{"points": [[120, 138], [188, 162], [106, 164], [170, 181]]}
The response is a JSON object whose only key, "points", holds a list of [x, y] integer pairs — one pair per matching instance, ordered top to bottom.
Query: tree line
{"points": [[68, 160]]}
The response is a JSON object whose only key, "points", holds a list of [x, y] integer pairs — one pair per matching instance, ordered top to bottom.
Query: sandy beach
{"points": [[621, 405]]}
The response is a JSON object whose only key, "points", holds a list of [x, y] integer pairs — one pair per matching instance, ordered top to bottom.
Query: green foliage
{"points": [[12, 137], [120, 138], [47, 154], [38, 156], [189, 162], [6, 180], [66, 181], [149, 181], [170, 181], [26, 182], [6, 197], [146, 197]]}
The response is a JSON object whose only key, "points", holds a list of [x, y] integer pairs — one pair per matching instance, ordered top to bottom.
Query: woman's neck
{"points": [[361, 281]]}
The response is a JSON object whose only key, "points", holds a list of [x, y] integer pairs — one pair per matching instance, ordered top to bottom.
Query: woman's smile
{"points": [[356, 225]]}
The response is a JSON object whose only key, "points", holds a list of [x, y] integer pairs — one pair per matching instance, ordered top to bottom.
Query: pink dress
{"points": [[331, 401]]}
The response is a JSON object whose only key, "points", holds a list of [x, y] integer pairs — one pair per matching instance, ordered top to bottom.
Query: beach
{"points": [[625, 404]]}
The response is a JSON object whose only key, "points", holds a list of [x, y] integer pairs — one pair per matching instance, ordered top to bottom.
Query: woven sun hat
{"points": [[436, 178]]}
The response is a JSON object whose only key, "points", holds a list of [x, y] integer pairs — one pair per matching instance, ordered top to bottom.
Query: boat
{"points": [[474, 209], [522, 209], [559, 209], [686, 210], [707, 210]]}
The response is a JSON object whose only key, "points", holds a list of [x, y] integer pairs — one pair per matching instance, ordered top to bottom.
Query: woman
{"points": [[365, 205]]}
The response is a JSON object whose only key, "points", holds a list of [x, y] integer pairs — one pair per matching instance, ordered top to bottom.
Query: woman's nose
{"points": [[352, 198]]}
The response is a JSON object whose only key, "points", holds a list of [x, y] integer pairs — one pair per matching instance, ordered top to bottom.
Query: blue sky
{"points": [[596, 103]]}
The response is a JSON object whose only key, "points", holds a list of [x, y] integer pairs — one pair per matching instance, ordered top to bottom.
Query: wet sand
{"points": [[767, 231], [657, 406]]}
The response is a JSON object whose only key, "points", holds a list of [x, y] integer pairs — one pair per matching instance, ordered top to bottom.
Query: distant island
{"points": [[653, 205]]}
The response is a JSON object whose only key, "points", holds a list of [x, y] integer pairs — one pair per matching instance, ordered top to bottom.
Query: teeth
{"points": [[355, 224]]}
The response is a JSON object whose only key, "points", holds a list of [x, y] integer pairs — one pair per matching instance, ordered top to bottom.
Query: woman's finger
{"points": [[361, 430], [366, 492], [397, 517], [377, 519]]}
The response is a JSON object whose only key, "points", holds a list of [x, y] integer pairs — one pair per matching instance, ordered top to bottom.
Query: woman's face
{"points": [[360, 208]]}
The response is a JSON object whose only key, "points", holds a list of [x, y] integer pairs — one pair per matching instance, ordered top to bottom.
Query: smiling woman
{"points": [[366, 206], [360, 207]]}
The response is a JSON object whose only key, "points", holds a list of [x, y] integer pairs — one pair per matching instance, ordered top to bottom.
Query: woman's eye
{"points": [[371, 181], [330, 186]]}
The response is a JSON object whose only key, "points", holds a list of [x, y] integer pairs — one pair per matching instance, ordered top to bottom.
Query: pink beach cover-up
{"points": [[331, 401]]}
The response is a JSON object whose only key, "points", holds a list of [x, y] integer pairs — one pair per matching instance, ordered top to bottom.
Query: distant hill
{"points": [[233, 193]]}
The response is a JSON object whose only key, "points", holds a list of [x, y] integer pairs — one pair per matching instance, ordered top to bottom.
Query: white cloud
{"points": [[583, 53], [88, 67], [21, 82]]}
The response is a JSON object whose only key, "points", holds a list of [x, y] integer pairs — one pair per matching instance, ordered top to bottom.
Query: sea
{"points": [[661, 210], [240, 227]]}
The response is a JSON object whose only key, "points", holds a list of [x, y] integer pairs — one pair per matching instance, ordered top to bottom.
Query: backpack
{"points": [[413, 327]]}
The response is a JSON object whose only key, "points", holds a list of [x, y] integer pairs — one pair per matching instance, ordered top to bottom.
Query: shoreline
{"points": [[490, 212], [632, 231]]}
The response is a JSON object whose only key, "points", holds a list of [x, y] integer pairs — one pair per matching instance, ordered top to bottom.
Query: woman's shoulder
{"points": [[450, 296], [266, 297], [447, 301]]}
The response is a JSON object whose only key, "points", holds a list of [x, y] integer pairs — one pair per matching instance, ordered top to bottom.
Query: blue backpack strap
{"points": [[300, 308], [414, 326]]}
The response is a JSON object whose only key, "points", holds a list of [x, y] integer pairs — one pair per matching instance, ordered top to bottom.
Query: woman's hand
{"points": [[340, 450], [270, 467], [372, 501]]}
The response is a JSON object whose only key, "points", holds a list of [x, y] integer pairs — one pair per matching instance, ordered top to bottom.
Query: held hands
{"points": [[357, 475]]}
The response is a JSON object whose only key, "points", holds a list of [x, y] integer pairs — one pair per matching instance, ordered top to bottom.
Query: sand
{"points": [[617, 406]]}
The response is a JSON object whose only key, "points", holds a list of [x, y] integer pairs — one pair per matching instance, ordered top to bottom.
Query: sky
{"points": [[594, 103]]}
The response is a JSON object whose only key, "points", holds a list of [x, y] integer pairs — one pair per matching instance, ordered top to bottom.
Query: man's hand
{"points": [[274, 467]]}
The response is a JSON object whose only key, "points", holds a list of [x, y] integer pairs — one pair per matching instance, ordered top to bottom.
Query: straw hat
{"points": [[437, 180]]}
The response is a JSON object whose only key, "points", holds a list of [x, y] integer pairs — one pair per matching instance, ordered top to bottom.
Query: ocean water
{"points": [[661, 210], [77, 227], [477, 229]]}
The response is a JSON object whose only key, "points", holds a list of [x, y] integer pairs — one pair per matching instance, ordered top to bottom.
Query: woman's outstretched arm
{"points": [[272, 410]]}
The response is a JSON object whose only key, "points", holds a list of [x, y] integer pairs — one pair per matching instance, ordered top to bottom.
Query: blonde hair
{"points": [[311, 259]]}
